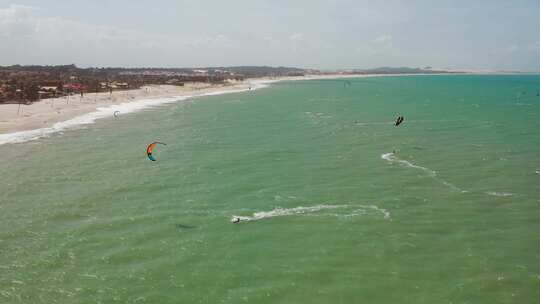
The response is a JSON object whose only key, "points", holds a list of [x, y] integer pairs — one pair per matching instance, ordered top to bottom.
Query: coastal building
{"points": [[200, 72], [174, 81], [114, 85], [122, 85], [75, 87], [48, 88], [46, 94]]}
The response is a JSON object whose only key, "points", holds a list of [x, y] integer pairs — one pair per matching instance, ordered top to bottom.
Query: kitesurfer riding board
{"points": [[399, 120]]}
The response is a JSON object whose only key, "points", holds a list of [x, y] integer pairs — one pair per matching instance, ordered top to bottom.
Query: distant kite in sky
{"points": [[150, 149]]}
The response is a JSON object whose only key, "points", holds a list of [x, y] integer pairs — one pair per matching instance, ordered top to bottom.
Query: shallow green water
{"points": [[451, 217]]}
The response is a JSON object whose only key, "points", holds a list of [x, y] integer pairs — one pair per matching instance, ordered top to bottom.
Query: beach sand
{"points": [[46, 113]]}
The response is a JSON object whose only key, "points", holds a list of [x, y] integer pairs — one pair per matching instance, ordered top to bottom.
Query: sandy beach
{"points": [[48, 112]]}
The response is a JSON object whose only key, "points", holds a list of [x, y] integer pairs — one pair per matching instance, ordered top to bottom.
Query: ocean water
{"points": [[336, 204]]}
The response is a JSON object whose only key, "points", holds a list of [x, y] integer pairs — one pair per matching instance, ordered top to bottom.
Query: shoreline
{"points": [[53, 115], [43, 118]]}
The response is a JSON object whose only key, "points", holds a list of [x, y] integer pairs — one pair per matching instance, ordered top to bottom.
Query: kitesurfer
{"points": [[399, 120], [150, 149], [236, 220]]}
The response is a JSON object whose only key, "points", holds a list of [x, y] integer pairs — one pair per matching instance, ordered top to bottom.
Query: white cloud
{"points": [[16, 12], [17, 21], [191, 33], [296, 37], [28, 38], [383, 39]]}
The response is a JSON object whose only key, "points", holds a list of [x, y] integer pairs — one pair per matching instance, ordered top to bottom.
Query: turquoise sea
{"points": [[337, 204]]}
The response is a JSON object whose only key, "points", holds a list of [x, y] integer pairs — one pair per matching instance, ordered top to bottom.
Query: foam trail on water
{"points": [[105, 112], [363, 124], [390, 157], [500, 194], [363, 209], [360, 210], [284, 212], [385, 212]]}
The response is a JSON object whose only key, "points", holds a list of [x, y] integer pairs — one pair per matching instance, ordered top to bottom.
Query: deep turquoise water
{"points": [[453, 216]]}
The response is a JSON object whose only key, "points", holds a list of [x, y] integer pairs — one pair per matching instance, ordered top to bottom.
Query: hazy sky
{"points": [[479, 34]]}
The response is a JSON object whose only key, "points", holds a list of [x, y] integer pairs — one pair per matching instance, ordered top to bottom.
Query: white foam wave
{"points": [[104, 112], [85, 119], [393, 159], [500, 194], [360, 210]]}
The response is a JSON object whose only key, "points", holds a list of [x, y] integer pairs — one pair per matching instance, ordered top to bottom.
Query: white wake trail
{"points": [[391, 157], [277, 212]]}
